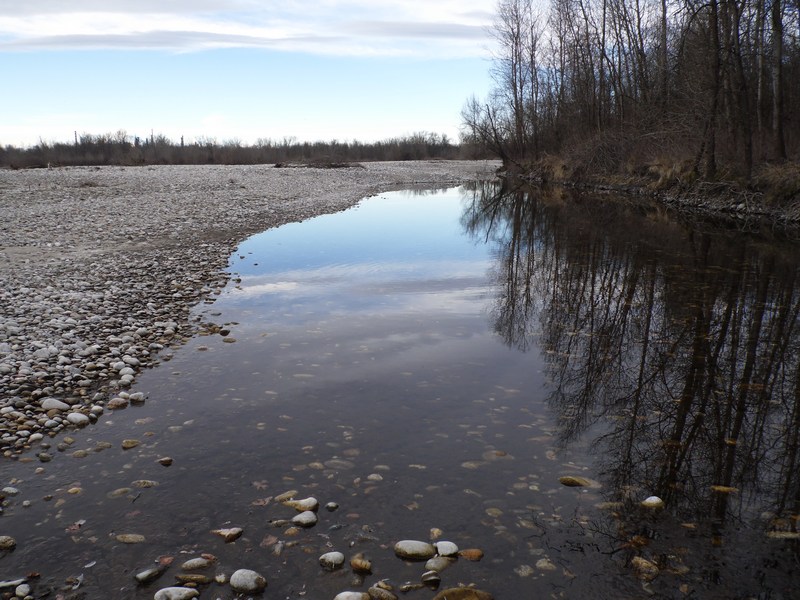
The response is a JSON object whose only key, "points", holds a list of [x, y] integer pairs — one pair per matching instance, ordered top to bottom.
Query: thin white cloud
{"points": [[401, 27]]}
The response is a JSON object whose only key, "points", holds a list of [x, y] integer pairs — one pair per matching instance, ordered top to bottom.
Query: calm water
{"points": [[439, 360]]}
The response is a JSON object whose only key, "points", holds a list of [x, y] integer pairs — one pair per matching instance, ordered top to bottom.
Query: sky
{"points": [[241, 70]]}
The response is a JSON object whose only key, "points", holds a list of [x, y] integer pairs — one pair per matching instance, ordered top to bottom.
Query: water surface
{"points": [[439, 361]]}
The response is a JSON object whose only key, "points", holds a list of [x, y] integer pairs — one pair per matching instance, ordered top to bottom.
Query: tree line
{"points": [[707, 87], [122, 149]]}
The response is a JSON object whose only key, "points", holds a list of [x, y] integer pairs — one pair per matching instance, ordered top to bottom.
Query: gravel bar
{"points": [[100, 267]]}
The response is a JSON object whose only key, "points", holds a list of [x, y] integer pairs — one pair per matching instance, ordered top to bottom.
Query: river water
{"points": [[438, 363]]}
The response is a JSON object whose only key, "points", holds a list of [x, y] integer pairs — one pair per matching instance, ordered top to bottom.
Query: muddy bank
{"points": [[99, 268]]}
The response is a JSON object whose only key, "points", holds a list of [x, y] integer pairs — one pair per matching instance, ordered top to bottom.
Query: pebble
{"points": [[54, 404], [78, 419], [653, 502], [303, 505], [305, 519], [230, 534], [130, 538], [7, 543], [445, 548], [414, 550], [473, 554], [331, 560], [438, 563], [193, 564], [360, 564], [646, 570], [150, 574], [431, 579], [247, 581], [176, 593], [379, 593], [463, 593], [351, 596]]}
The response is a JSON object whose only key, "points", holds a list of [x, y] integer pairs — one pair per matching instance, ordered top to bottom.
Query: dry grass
{"points": [[780, 183]]}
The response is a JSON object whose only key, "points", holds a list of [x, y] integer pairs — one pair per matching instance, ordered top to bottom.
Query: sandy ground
{"points": [[99, 267]]}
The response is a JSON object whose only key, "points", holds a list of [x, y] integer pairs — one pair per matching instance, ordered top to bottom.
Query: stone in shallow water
{"points": [[78, 419], [572, 481], [653, 502], [303, 505], [305, 519], [229, 534], [130, 538], [7, 543], [444, 548], [414, 550], [473, 554], [331, 560], [196, 563], [438, 563], [360, 564], [150, 574], [246, 581], [176, 593], [378, 593], [463, 593], [351, 596]]}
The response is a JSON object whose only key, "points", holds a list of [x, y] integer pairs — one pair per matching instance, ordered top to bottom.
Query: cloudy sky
{"points": [[240, 69]]}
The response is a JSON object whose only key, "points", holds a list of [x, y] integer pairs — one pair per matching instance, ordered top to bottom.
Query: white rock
{"points": [[53, 403], [77, 418], [653, 502], [303, 505], [305, 519], [446, 548], [414, 550], [331, 560], [196, 563], [245, 580], [22, 590], [176, 593], [351, 596]]}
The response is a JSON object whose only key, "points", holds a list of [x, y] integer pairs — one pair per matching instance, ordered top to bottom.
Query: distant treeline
{"points": [[122, 149]]}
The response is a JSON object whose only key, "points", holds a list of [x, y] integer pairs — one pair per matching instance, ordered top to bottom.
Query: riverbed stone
{"points": [[54, 404], [78, 419], [305, 519], [228, 534], [7, 543], [445, 548], [414, 550], [331, 560], [438, 563], [247, 581], [176, 593], [463, 593], [351, 596]]}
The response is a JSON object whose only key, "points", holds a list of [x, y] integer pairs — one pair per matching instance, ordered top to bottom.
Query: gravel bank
{"points": [[99, 268]]}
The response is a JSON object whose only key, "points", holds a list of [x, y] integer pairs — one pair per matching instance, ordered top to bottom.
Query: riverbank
{"points": [[772, 197], [100, 267]]}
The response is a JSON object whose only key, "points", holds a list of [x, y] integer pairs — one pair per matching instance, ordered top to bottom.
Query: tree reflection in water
{"points": [[674, 346]]}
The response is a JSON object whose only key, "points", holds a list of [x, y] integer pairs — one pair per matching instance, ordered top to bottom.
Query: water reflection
{"points": [[674, 348], [377, 366]]}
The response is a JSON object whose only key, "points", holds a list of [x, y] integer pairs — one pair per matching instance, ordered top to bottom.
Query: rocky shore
{"points": [[100, 267]]}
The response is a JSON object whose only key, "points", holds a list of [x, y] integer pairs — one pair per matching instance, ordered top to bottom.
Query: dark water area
{"points": [[437, 363]]}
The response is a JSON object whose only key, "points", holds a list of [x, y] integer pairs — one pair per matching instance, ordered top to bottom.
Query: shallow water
{"points": [[439, 360]]}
